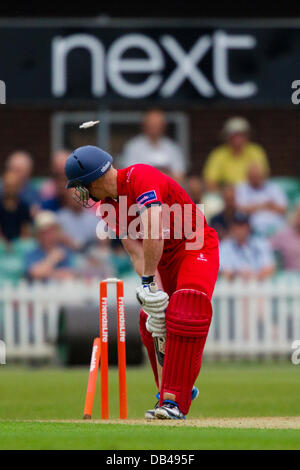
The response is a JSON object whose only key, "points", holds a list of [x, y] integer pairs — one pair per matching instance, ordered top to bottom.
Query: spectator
{"points": [[154, 148], [21, 163], [229, 163], [194, 188], [53, 190], [262, 200], [15, 216], [76, 222], [222, 222], [287, 244], [244, 255], [12, 257], [119, 258], [50, 259], [96, 261]]}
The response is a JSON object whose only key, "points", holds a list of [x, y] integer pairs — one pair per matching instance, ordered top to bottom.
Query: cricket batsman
{"points": [[176, 256]]}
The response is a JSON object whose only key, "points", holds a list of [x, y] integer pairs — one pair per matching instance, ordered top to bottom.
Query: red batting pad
{"points": [[188, 318]]}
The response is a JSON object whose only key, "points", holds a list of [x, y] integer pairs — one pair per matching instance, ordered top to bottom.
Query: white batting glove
{"points": [[153, 300], [156, 326]]}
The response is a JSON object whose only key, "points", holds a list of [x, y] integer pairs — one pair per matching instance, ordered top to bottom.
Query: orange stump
{"points": [[101, 344], [121, 347], [104, 350], [121, 350], [90, 393]]}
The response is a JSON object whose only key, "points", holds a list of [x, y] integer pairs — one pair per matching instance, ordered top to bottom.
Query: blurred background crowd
{"points": [[45, 234]]}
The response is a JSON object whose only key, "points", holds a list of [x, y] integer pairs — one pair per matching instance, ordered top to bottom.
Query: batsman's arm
{"points": [[153, 242], [135, 250], [145, 255]]}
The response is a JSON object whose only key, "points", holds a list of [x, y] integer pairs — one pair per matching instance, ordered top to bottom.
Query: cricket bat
{"points": [[160, 346]]}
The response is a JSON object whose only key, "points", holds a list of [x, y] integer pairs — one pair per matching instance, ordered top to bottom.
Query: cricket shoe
{"points": [[169, 410], [150, 414]]}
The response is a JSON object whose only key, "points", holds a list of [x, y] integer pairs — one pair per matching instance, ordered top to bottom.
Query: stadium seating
{"points": [[291, 187]]}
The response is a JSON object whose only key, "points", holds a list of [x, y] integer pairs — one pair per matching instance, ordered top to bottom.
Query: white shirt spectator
{"points": [[163, 154], [263, 222], [80, 226], [254, 255]]}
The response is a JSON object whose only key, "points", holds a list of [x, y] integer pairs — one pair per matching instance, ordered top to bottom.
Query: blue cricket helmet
{"points": [[86, 164]]}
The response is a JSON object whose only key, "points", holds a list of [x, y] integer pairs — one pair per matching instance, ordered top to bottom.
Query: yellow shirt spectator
{"points": [[223, 166]]}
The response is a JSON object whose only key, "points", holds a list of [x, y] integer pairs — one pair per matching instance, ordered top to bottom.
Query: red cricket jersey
{"points": [[145, 186]]}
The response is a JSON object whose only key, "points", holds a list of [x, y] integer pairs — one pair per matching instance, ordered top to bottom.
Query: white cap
{"points": [[235, 125], [44, 220]]}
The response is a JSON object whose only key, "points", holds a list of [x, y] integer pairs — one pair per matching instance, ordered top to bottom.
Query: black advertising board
{"points": [[52, 62]]}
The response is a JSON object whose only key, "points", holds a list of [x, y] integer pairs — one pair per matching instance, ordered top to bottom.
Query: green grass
{"points": [[225, 391], [118, 437]]}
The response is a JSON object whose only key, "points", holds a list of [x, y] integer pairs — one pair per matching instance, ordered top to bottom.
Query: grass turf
{"points": [[225, 391], [118, 437]]}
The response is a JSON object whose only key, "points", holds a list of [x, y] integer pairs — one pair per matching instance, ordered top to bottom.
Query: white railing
{"points": [[29, 313], [249, 318], [255, 318]]}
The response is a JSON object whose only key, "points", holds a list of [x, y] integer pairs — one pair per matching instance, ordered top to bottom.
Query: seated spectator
{"points": [[152, 147], [21, 163], [229, 163], [194, 188], [53, 190], [263, 201], [210, 203], [15, 219], [76, 222], [222, 222], [287, 244], [244, 255], [12, 257], [119, 258], [50, 259], [96, 261]]}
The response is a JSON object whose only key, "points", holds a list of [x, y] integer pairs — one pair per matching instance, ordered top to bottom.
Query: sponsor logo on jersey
{"points": [[129, 174], [147, 197], [201, 257]]}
